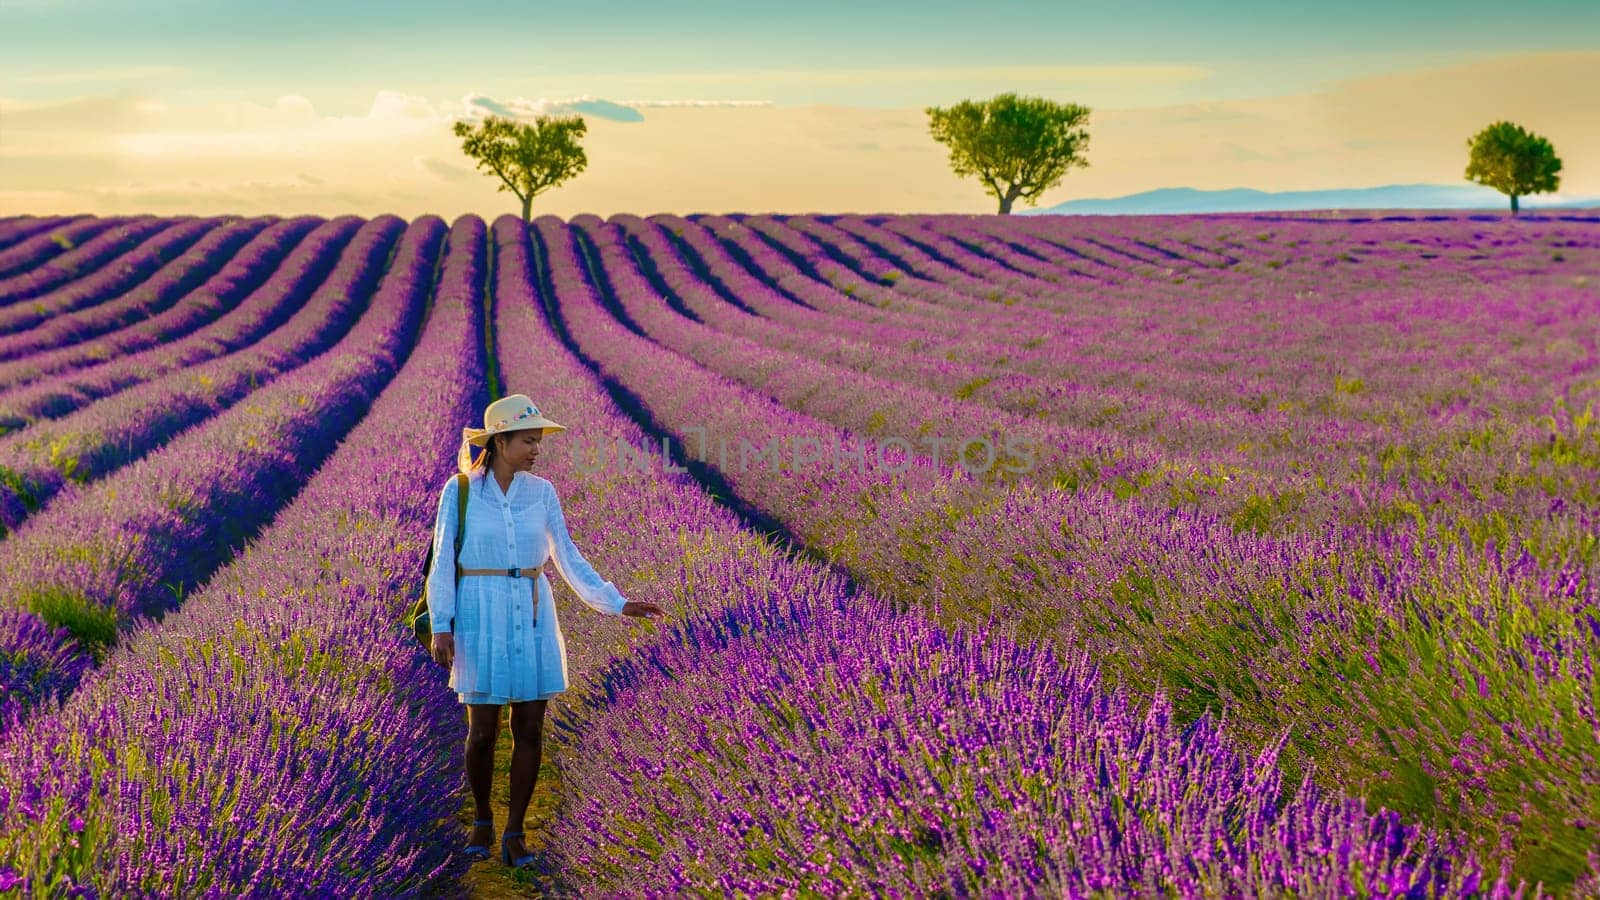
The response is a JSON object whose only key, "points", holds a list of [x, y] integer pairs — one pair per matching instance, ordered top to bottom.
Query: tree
{"points": [[1019, 147], [529, 158], [1513, 161]]}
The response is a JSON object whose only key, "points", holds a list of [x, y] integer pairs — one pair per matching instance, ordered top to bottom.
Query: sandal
{"points": [[477, 852], [520, 862]]}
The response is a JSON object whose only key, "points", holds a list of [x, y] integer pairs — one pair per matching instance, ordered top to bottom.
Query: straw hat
{"points": [[511, 413]]}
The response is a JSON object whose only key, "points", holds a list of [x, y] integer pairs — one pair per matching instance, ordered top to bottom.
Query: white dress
{"points": [[502, 654]]}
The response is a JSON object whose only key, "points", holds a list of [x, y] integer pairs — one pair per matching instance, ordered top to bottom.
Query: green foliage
{"points": [[1019, 147], [529, 158], [1513, 161], [965, 391], [19, 486], [1263, 513], [94, 626]]}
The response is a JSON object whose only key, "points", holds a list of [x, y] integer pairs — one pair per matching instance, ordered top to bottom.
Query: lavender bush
{"points": [[15, 229], [38, 249], [90, 257], [112, 264], [162, 272], [233, 306], [35, 462], [896, 535], [134, 544], [1317, 615], [742, 726], [316, 751]]}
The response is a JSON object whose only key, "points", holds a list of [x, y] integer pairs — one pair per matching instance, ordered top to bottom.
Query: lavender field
{"points": [[1210, 556]]}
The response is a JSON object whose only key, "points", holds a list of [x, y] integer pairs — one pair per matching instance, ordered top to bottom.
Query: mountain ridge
{"points": [[1180, 200]]}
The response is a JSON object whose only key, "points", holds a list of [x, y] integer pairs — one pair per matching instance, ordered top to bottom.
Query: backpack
{"points": [[421, 625]]}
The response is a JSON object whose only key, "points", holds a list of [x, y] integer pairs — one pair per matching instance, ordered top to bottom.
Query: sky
{"points": [[331, 107]]}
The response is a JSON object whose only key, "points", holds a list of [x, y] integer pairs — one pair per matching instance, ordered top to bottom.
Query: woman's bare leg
{"points": [[483, 729], [527, 749]]}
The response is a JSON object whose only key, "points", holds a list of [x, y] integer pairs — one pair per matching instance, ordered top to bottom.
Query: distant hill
{"points": [[1392, 196]]}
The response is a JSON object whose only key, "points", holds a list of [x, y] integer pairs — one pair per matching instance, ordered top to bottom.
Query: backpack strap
{"points": [[461, 520], [420, 608]]}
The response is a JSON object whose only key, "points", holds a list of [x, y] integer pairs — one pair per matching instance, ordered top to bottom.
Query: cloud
{"points": [[1072, 74], [88, 76], [698, 104], [395, 105], [296, 107], [524, 110], [1210, 113], [24, 119], [290, 126], [143, 128], [1400, 128], [1244, 154], [118, 155], [442, 170], [250, 194]]}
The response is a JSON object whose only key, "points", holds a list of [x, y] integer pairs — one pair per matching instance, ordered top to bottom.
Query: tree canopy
{"points": [[1019, 147], [528, 157], [1513, 161]]}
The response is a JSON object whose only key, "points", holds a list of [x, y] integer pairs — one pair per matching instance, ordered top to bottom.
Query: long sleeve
{"points": [[442, 580], [600, 595]]}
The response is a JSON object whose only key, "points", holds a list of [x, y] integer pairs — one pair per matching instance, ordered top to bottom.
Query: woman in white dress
{"points": [[494, 620]]}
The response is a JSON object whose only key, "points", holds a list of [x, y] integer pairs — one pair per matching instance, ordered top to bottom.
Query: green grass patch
{"points": [[966, 391], [93, 625]]}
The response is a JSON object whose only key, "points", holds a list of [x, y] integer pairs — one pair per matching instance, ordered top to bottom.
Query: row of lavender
{"points": [[15, 229], [35, 245], [85, 246], [127, 257], [154, 282], [231, 307], [1364, 309], [1091, 333], [1110, 351], [960, 368], [834, 392], [105, 435], [1473, 442], [1553, 489], [131, 545], [1345, 639], [41, 660], [278, 734], [801, 736]]}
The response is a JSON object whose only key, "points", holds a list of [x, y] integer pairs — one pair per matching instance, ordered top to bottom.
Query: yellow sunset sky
{"points": [[154, 133]]}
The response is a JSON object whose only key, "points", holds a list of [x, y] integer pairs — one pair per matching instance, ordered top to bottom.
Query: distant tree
{"points": [[1019, 147], [529, 158], [1513, 161]]}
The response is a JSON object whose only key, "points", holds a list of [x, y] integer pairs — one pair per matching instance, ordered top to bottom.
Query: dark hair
{"points": [[486, 458]]}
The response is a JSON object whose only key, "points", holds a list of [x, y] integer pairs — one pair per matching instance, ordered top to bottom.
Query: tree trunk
{"points": [[1013, 191], [527, 203], [1513, 204]]}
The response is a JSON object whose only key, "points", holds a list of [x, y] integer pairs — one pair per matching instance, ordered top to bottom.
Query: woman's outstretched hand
{"points": [[641, 609], [444, 648]]}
